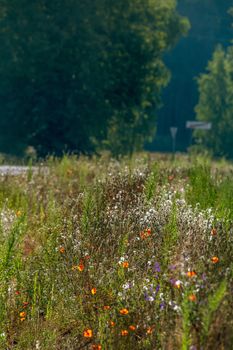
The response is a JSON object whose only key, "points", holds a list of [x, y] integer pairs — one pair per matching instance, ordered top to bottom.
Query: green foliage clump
{"points": [[81, 75], [216, 103]]}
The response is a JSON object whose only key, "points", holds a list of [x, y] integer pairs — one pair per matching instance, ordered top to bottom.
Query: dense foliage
{"points": [[210, 25], [76, 75], [216, 103], [101, 255]]}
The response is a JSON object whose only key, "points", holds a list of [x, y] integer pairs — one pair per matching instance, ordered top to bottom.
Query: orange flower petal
{"points": [[215, 259], [192, 297], [124, 311], [124, 332], [88, 333]]}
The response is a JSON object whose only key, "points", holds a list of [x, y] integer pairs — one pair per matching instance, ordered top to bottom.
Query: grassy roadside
{"points": [[100, 254]]}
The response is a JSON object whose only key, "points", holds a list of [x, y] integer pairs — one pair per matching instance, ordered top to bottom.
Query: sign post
{"points": [[197, 125], [173, 131]]}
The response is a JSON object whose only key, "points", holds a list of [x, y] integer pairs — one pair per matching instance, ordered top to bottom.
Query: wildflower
{"points": [[18, 213], [213, 232], [145, 234], [62, 250], [215, 259], [125, 264], [80, 267], [157, 267], [191, 274], [178, 284], [126, 285], [93, 291], [17, 292], [192, 297], [149, 298], [25, 304], [162, 305], [107, 307], [124, 311], [22, 314], [22, 319], [112, 324], [132, 328], [149, 330], [124, 332], [88, 333], [96, 347]]}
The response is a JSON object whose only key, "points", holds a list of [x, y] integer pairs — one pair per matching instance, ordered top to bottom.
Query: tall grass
{"points": [[104, 254]]}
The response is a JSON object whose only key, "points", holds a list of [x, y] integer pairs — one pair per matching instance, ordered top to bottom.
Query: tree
{"points": [[77, 74], [216, 103]]}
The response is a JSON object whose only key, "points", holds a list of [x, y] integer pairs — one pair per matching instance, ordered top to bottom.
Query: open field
{"points": [[101, 254]]}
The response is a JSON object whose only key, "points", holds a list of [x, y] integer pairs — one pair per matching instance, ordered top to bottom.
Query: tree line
{"points": [[83, 75]]}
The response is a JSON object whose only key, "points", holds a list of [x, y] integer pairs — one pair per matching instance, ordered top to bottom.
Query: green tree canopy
{"points": [[77, 74], [216, 103]]}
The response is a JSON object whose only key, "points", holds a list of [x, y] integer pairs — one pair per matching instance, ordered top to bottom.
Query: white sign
{"points": [[198, 125], [173, 131]]}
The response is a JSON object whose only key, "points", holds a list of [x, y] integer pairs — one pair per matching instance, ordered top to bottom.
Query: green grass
{"points": [[91, 237]]}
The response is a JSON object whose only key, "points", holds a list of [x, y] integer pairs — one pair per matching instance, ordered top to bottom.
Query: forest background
{"points": [[84, 77]]}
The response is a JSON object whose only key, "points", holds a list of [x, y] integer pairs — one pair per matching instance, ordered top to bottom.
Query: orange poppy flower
{"points": [[213, 232], [145, 234], [62, 250], [215, 259], [125, 264], [80, 267], [191, 273], [93, 291], [192, 297], [25, 304], [107, 307], [124, 311], [22, 314], [22, 319], [112, 324], [132, 328], [149, 330], [124, 332], [88, 333], [96, 347]]}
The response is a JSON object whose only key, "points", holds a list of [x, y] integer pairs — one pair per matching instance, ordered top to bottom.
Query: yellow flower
{"points": [[18, 213], [93, 291], [124, 311], [22, 314], [88, 333]]}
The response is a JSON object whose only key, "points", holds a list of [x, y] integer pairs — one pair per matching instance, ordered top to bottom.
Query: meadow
{"points": [[106, 254]]}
